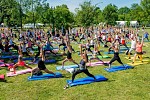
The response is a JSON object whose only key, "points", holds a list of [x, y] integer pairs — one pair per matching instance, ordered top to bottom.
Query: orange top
{"points": [[139, 47], [21, 63]]}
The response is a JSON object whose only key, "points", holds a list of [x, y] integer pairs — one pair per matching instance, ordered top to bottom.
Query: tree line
{"points": [[19, 12]]}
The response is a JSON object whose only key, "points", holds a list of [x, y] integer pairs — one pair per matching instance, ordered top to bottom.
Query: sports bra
{"points": [[82, 65]]}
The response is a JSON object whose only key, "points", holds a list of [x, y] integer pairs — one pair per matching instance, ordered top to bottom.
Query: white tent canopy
{"points": [[132, 23], [31, 25]]}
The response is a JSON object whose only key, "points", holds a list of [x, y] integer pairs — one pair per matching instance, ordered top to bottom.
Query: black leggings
{"points": [[88, 49], [50, 52], [38, 54], [116, 57], [80, 71]]}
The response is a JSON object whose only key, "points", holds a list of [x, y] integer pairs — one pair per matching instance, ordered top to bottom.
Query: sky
{"points": [[72, 4]]}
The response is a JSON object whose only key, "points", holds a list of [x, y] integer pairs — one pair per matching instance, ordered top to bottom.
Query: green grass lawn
{"points": [[132, 84]]}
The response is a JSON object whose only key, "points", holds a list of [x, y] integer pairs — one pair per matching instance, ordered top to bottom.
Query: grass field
{"points": [[133, 84]]}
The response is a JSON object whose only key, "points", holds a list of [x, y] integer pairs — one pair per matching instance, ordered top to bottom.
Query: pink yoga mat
{"points": [[55, 51], [1, 60], [97, 63], [8, 64], [9, 74], [2, 77]]}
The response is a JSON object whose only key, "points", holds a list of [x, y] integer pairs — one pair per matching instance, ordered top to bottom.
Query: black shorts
{"points": [[139, 53], [69, 55], [42, 67]]}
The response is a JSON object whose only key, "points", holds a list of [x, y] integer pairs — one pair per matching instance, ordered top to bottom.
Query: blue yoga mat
{"points": [[123, 49], [111, 52], [8, 57], [16, 60], [46, 61], [66, 67], [118, 68], [44, 76], [86, 80]]}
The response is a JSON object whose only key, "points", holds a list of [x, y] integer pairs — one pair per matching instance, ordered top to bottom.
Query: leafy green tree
{"points": [[123, 10], [9, 11], [146, 11], [137, 13], [85, 14], [110, 14], [62, 16]]}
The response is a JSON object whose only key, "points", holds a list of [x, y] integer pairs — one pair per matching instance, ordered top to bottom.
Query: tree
{"points": [[145, 4], [123, 10], [9, 11], [137, 13], [85, 14], [110, 14], [124, 14], [62, 16], [98, 17]]}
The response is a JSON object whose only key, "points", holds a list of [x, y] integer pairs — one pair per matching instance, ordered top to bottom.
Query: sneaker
{"points": [[107, 68], [65, 87]]}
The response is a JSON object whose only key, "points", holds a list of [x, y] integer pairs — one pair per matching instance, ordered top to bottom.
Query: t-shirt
{"points": [[146, 35], [133, 44]]}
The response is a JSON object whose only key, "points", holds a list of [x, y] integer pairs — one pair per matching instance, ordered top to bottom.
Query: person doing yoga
{"points": [[138, 50], [69, 54], [116, 54], [94, 55], [20, 63], [41, 66], [82, 68]]}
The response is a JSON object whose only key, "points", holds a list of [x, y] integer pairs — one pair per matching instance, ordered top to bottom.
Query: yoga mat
{"points": [[123, 49], [54, 50], [111, 52], [9, 57], [104, 57], [144, 58], [1, 60], [16, 60], [46, 61], [97, 63], [137, 63], [6, 64], [66, 67], [118, 68], [9, 74], [44, 76], [2, 77], [86, 80]]}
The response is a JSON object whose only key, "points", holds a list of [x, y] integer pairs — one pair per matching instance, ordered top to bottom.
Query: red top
{"points": [[109, 39], [123, 41]]}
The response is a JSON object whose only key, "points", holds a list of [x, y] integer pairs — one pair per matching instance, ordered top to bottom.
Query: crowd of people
{"points": [[90, 40]]}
